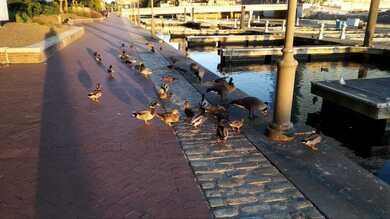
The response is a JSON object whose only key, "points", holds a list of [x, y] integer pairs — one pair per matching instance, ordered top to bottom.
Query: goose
{"points": [[222, 88], [251, 104]]}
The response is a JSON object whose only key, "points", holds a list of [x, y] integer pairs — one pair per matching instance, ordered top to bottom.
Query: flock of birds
{"points": [[196, 116]]}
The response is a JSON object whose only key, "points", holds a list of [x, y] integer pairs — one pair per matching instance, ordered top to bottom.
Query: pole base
{"points": [[279, 133]]}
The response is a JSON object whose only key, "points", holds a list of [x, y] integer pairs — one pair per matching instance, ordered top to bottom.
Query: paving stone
{"points": [[240, 200], [256, 209], [225, 212]]}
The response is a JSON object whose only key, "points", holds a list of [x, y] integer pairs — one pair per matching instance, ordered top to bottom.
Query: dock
{"points": [[202, 9], [230, 39], [240, 54], [370, 97]]}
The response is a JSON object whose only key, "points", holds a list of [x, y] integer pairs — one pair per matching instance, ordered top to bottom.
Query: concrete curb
{"points": [[40, 52]]}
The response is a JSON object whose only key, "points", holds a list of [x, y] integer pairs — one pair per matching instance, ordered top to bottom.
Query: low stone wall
{"points": [[87, 20], [39, 52]]}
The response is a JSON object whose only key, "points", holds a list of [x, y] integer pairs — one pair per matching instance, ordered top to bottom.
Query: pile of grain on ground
{"points": [[25, 34]]}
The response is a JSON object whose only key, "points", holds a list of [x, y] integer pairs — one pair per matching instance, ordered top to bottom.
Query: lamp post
{"points": [[371, 23], [281, 125]]}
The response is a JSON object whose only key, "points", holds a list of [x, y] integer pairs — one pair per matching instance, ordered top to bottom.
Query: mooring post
{"points": [[138, 14], [185, 14], [192, 14], [242, 18], [250, 18], [258, 19], [152, 20], [371, 23], [266, 26], [284, 26], [343, 31], [321, 34], [281, 125]]}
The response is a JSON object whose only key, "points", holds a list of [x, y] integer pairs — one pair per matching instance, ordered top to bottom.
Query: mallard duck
{"points": [[123, 46], [150, 46], [123, 56], [98, 57], [110, 72], [146, 72], [168, 78], [222, 88], [163, 92], [96, 94], [251, 104], [187, 109], [214, 109], [147, 115], [170, 117], [199, 118], [236, 124], [222, 131], [312, 140]]}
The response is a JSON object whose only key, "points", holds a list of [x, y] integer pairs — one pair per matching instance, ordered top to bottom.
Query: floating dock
{"points": [[231, 39], [250, 54], [370, 97]]}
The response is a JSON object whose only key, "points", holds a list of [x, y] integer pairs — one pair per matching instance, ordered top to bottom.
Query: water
{"points": [[259, 80]]}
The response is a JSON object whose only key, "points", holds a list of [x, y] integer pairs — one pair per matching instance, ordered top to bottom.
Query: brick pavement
{"points": [[62, 156], [237, 180]]}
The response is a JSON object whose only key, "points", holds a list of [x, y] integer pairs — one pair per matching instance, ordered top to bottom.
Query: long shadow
{"points": [[84, 77], [63, 188]]}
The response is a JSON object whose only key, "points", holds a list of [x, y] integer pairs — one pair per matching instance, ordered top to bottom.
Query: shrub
{"points": [[34, 9]]}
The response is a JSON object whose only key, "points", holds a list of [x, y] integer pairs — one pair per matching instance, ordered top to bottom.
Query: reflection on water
{"points": [[260, 80]]}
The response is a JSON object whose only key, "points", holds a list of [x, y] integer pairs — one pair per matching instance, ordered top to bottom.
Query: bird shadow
{"points": [[84, 77]]}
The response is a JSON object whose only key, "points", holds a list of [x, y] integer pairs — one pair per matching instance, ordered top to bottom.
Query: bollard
{"points": [[266, 26], [284, 26], [343, 34], [321, 35]]}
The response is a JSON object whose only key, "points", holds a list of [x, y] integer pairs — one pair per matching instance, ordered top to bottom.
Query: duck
{"points": [[123, 45], [150, 46], [123, 56], [98, 57], [324, 69], [110, 72], [146, 72], [168, 78], [222, 88], [163, 92], [96, 94], [251, 104], [187, 109], [215, 109], [147, 115], [170, 117], [199, 118], [236, 124], [222, 132], [312, 140]]}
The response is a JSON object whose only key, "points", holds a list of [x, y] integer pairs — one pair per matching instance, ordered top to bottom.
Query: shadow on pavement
{"points": [[63, 189]]}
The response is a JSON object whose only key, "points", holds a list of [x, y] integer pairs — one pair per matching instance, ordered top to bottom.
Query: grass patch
{"points": [[25, 34]]}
